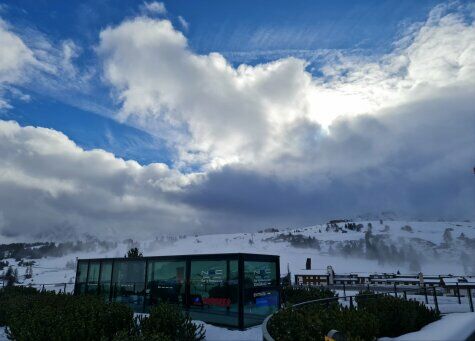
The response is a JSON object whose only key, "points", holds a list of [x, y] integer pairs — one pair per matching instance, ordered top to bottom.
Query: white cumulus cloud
{"points": [[15, 57], [216, 114]]}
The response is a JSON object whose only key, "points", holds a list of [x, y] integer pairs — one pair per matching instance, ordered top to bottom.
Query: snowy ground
{"points": [[459, 326], [214, 333]]}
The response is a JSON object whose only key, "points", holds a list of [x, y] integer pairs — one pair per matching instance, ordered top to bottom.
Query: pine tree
{"points": [[448, 236], [133, 253], [29, 272], [11, 276]]}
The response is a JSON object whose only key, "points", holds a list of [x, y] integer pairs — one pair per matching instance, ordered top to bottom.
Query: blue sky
{"points": [[244, 32], [211, 116]]}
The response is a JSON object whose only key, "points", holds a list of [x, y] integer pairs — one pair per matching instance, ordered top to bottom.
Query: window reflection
{"points": [[81, 277], [93, 277], [105, 279], [166, 282], [128, 283], [214, 290], [261, 294]]}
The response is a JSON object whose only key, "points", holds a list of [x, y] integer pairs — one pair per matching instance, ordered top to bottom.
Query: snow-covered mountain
{"points": [[362, 246]]}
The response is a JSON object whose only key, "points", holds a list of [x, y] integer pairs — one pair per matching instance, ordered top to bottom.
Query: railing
{"points": [[58, 287]]}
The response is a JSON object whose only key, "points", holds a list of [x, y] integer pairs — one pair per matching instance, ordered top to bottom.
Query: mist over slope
{"points": [[365, 246]]}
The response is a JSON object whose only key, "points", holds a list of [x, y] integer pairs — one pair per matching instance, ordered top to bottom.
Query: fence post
{"points": [[64, 287], [43, 288], [344, 290], [395, 290], [458, 292], [469, 292], [425, 293], [405, 295], [435, 299], [351, 302]]}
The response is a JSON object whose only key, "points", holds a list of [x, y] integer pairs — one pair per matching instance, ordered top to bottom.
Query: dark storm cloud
{"points": [[415, 160]]}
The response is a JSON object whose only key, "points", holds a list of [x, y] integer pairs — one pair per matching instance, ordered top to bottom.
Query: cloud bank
{"points": [[273, 143], [50, 186]]}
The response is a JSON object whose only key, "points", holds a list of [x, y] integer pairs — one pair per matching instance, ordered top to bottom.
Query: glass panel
{"points": [[82, 272], [106, 272], [81, 277], [93, 277], [105, 279], [166, 282], [128, 283], [213, 291], [261, 294]]}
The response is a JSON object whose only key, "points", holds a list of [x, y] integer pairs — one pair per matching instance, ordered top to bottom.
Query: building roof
{"points": [[210, 256], [311, 272], [400, 279]]}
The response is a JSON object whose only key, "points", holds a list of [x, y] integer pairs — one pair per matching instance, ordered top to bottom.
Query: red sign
{"points": [[220, 302]]}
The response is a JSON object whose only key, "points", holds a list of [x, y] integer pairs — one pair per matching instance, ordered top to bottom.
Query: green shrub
{"points": [[9, 296], [32, 315], [396, 315], [50, 316], [375, 316], [169, 320], [315, 321], [296, 324], [356, 325]]}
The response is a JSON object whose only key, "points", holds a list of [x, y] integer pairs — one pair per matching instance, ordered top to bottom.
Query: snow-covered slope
{"points": [[430, 247]]}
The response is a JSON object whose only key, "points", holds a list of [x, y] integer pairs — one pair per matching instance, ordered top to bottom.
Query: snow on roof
{"points": [[311, 272], [364, 274], [345, 275], [402, 279], [450, 280], [462, 282]]}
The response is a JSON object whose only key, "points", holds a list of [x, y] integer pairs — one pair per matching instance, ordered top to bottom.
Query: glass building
{"points": [[234, 289]]}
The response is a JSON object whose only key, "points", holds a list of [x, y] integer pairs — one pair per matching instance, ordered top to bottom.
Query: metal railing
{"points": [[64, 287]]}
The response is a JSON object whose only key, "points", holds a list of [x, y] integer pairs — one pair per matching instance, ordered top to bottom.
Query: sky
{"points": [[126, 117]]}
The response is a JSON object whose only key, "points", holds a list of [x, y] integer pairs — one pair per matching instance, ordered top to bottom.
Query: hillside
{"points": [[368, 246]]}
